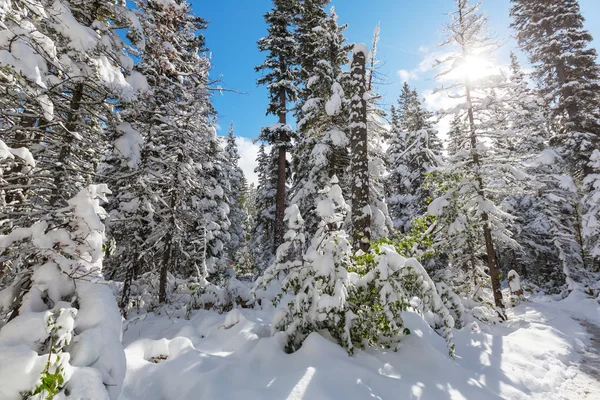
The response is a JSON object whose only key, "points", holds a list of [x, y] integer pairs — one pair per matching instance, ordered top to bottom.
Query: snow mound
{"points": [[233, 356]]}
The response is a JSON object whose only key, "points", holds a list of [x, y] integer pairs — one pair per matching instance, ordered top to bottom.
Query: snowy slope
{"points": [[533, 356]]}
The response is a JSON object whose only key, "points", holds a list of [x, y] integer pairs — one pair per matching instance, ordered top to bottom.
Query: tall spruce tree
{"points": [[280, 78], [377, 131], [322, 145], [181, 175], [545, 224]]}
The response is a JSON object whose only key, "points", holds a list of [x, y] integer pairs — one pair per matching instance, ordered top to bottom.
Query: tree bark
{"points": [[281, 170], [361, 215]]}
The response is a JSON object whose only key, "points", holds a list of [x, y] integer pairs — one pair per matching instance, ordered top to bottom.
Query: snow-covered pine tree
{"points": [[64, 66], [67, 68], [568, 75], [280, 78], [377, 132], [458, 139], [322, 145], [413, 150], [182, 173], [477, 174], [236, 194], [361, 210], [545, 224], [261, 242], [317, 277], [357, 300], [60, 303]]}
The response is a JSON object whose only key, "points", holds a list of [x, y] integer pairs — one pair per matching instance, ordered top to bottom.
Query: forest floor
{"points": [[547, 350]]}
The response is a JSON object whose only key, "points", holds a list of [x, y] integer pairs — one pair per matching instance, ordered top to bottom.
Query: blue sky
{"points": [[410, 30]]}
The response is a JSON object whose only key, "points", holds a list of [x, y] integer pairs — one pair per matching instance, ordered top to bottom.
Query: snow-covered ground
{"points": [[537, 354]]}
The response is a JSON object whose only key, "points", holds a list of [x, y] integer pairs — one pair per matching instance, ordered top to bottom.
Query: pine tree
{"points": [[552, 33], [67, 72], [280, 79], [322, 146], [413, 150], [476, 174], [181, 175], [236, 194], [591, 202], [381, 224], [545, 224], [262, 234]]}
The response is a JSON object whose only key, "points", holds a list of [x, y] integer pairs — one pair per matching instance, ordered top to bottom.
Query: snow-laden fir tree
{"points": [[567, 72], [280, 75], [377, 132], [321, 150], [413, 150], [181, 176], [235, 193], [591, 203], [545, 224], [261, 241], [318, 277], [59, 300]]}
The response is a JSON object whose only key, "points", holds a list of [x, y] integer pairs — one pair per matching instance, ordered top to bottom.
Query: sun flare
{"points": [[474, 68]]}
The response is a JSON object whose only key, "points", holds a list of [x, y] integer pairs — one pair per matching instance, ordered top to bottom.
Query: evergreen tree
{"points": [[552, 33], [280, 78], [322, 146], [413, 150], [476, 174], [178, 193], [235, 194], [591, 202], [381, 224], [545, 224], [262, 234]]}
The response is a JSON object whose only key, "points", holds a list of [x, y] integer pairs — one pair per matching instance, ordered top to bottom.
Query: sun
{"points": [[473, 68]]}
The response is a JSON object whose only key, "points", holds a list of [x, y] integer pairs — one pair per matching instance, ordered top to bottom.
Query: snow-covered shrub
{"points": [[383, 285], [183, 295], [356, 299], [452, 302], [58, 318]]}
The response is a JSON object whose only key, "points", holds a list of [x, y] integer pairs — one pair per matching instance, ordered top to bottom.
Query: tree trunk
{"points": [[281, 171], [60, 191], [361, 214], [487, 233]]}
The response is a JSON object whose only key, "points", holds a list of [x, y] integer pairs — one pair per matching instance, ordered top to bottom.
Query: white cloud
{"points": [[406, 75], [248, 152]]}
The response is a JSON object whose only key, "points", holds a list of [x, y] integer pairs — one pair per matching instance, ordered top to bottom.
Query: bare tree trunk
{"points": [[281, 170], [361, 215]]}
